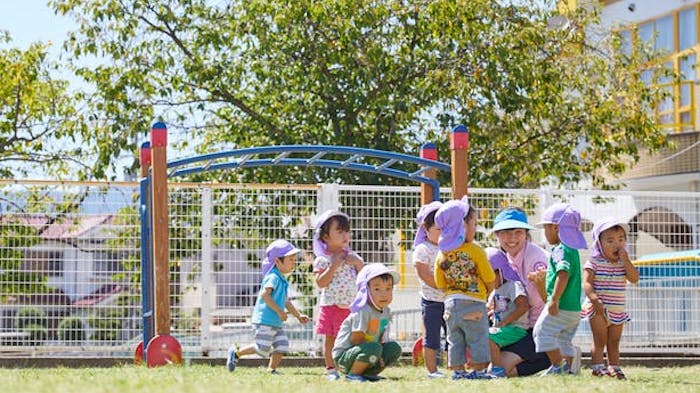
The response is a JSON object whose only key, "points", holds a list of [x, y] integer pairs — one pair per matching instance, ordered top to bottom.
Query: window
{"points": [[687, 29]]}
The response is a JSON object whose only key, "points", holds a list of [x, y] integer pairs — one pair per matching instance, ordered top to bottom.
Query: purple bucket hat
{"points": [[425, 210], [450, 219], [569, 222], [598, 228], [318, 244], [277, 249], [499, 261], [367, 273]]}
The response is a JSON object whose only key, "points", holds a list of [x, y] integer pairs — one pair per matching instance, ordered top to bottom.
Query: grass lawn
{"points": [[209, 379]]}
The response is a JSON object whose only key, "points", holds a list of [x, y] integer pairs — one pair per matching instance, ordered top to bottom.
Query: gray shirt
{"points": [[373, 323]]}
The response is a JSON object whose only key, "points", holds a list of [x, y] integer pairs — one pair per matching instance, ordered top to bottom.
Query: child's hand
{"points": [[624, 257], [354, 260], [537, 277], [599, 307], [553, 308], [282, 315], [303, 318]]}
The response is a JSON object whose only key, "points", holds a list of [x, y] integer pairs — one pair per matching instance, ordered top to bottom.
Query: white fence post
{"points": [[207, 257]]}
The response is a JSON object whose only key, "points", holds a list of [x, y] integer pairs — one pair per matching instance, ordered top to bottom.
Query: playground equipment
{"points": [[158, 346]]}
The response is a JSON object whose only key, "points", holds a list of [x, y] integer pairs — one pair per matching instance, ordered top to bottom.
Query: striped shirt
{"points": [[609, 284]]}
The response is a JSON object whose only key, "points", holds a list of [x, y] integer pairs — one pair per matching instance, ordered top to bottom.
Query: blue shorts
{"points": [[433, 322], [269, 338]]}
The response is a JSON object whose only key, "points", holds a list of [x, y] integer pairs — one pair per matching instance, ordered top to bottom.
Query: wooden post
{"points": [[459, 145], [429, 152], [145, 158], [161, 247]]}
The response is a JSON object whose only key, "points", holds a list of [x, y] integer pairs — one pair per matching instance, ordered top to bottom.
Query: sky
{"points": [[32, 20]]}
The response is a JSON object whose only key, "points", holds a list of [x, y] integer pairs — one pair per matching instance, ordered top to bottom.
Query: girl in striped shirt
{"points": [[605, 276]]}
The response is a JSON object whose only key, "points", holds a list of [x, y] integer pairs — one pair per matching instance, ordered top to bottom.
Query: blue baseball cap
{"points": [[510, 218]]}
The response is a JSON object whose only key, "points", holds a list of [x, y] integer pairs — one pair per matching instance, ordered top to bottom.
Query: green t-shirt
{"points": [[566, 259]]}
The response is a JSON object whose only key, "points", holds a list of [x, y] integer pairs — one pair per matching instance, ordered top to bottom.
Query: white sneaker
{"points": [[576, 361], [332, 375], [435, 375]]}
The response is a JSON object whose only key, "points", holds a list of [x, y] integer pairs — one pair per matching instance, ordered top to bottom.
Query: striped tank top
{"points": [[609, 284]]}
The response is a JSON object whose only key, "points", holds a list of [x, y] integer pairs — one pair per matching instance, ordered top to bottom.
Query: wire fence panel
{"points": [[70, 260]]}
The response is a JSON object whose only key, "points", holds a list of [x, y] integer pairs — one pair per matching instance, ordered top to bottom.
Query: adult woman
{"points": [[511, 230]]}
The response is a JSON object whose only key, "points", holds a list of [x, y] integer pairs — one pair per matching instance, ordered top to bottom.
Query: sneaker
{"points": [[232, 359], [576, 361], [561, 369], [600, 371], [275, 372], [498, 372], [616, 372], [459, 374], [332, 375], [436, 375], [478, 375], [355, 378], [373, 378]]}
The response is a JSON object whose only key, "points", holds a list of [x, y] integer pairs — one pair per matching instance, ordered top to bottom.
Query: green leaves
{"points": [[381, 74]]}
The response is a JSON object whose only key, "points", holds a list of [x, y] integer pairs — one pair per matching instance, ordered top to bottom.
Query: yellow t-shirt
{"points": [[464, 271]]}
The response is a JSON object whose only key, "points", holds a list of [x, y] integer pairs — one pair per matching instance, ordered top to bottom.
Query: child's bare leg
{"points": [[600, 338], [328, 343], [613, 344], [247, 350], [495, 353], [555, 357], [430, 358], [275, 359], [478, 366], [359, 368]]}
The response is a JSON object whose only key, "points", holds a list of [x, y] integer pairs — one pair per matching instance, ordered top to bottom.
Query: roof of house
{"points": [[65, 228]]}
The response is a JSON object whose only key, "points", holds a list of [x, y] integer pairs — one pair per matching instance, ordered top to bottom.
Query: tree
{"points": [[544, 102]]}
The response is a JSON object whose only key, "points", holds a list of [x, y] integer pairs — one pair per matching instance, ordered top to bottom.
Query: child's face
{"points": [[469, 228], [551, 232], [433, 233], [337, 238], [612, 240], [512, 241], [286, 264], [382, 291]]}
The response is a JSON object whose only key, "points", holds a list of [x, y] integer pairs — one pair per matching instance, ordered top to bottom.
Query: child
{"points": [[336, 268], [463, 271], [604, 278], [432, 304], [509, 306], [269, 313], [558, 322], [362, 349]]}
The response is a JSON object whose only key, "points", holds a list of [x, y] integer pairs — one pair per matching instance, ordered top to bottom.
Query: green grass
{"points": [[209, 379]]}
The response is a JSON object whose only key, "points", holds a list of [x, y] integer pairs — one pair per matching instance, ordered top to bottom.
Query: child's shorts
{"points": [[329, 320], [556, 331], [506, 335], [270, 339]]}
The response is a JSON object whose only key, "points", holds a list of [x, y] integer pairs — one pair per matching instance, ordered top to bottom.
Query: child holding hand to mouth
{"points": [[605, 277]]}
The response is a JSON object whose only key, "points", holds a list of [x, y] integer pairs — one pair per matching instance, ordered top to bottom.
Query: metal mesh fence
{"points": [[70, 260]]}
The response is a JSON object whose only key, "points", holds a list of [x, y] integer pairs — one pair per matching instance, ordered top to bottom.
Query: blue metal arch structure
{"points": [[313, 155]]}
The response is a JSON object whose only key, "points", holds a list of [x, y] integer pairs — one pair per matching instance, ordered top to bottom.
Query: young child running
{"points": [[425, 249], [336, 267], [463, 271], [605, 276], [509, 305], [269, 312], [558, 322], [362, 349]]}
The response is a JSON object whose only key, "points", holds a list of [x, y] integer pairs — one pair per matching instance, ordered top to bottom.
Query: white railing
{"points": [[69, 260]]}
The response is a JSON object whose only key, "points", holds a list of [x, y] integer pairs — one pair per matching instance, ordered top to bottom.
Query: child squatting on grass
{"points": [[605, 277], [508, 308], [269, 312], [557, 324], [362, 349]]}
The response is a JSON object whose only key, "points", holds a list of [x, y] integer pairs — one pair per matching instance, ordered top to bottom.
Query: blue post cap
{"points": [[460, 128]]}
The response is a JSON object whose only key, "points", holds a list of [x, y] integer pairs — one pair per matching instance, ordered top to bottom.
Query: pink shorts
{"points": [[329, 320]]}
